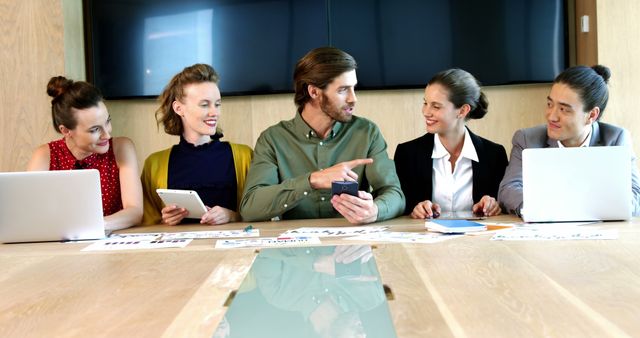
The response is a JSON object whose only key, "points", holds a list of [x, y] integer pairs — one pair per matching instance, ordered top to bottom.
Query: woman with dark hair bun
{"points": [[575, 105], [78, 112], [457, 170]]}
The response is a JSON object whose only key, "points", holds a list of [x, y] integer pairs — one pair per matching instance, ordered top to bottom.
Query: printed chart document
{"points": [[555, 225], [453, 226], [333, 231], [190, 234], [212, 234], [550, 234], [137, 236], [403, 237], [266, 242], [135, 244]]}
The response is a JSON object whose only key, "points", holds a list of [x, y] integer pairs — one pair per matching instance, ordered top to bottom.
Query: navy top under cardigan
{"points": [[208, 169]]}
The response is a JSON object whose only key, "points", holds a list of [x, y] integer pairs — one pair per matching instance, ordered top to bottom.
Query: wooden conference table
{"points": [[467, 286]]}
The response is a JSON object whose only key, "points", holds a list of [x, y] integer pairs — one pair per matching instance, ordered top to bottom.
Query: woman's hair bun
{"points": [[58, 85]]}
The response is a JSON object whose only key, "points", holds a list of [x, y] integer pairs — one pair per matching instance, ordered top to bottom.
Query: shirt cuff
{"points": [[300, 186]]}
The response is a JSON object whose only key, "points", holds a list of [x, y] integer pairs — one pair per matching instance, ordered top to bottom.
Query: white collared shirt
{"points": [[585, 143], [453, 191]]}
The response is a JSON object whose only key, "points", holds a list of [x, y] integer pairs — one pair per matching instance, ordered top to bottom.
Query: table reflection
{"points": [[332, 291]]}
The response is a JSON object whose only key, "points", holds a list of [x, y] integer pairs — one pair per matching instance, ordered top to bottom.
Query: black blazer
{"points": [[415, 168]]}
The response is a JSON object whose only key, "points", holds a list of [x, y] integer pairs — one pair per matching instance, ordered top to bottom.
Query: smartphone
{"points": [[344, 187], [187, 199]]}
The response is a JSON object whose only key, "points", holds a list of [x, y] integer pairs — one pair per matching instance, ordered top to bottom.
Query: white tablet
{"points": [[187, 199]]}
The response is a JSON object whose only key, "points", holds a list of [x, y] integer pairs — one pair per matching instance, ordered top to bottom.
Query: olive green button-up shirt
{"points": [[287, 153]]}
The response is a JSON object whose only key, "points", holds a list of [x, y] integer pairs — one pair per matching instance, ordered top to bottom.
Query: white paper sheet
{"points": [[333, 231], [575, 233], [189, 234], [212, 234], [137, 236], [404, 237], [266, 242], [135, 244]]}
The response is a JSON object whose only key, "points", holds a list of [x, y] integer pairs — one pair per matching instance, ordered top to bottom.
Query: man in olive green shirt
{"points": [[295, 161]]}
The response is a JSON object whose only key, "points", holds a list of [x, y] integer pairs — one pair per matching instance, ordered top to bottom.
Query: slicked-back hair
{"points": [[319, 68], [590, 83]]}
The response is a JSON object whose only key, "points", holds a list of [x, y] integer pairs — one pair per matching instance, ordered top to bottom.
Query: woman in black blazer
{"points": [[467, 167]]}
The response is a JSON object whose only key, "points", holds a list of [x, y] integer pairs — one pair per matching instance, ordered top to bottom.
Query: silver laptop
{"points": [[576, 184], [50, 206]]}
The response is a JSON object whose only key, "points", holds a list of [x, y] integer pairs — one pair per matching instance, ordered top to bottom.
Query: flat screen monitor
{"points": [[136, 46]]}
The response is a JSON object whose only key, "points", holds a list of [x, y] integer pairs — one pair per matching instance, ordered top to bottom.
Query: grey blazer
{"points": [[602, 134]]}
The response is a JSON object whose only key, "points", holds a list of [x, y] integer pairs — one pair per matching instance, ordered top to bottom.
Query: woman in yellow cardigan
{"points": [[190, 108]]}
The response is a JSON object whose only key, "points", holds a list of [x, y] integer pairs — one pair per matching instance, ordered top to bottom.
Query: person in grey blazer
{"points": [[575, 105], [450, 168]]}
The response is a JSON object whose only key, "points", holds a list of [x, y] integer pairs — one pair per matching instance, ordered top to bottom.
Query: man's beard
{"points": [[334, 112]]}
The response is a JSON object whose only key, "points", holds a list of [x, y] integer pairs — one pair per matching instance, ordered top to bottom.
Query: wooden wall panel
{"points": [[31, 36], [619, 49], [396, 112], [136, 120]]}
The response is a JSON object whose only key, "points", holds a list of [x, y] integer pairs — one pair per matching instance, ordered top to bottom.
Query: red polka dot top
{"points": [[61, 158]]}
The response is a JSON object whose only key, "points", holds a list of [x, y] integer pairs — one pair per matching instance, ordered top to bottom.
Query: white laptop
{"points": [[576, 184], [50, 206]]}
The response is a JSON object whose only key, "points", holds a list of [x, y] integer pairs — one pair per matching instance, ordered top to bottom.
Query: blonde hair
{"points": [[165, 114]]}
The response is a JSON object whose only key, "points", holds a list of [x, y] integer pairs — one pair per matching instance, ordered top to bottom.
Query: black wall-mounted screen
{"points": [[136, 46]]}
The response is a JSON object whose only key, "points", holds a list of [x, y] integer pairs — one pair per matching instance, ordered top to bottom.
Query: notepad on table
{"points": [[453, 226]]}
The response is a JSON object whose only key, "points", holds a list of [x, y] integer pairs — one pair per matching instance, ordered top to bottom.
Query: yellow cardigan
{"points": [[155, 173]]}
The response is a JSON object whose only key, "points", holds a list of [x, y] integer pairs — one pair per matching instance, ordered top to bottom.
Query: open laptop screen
{"points": [[576, 184], [50, 206]]}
